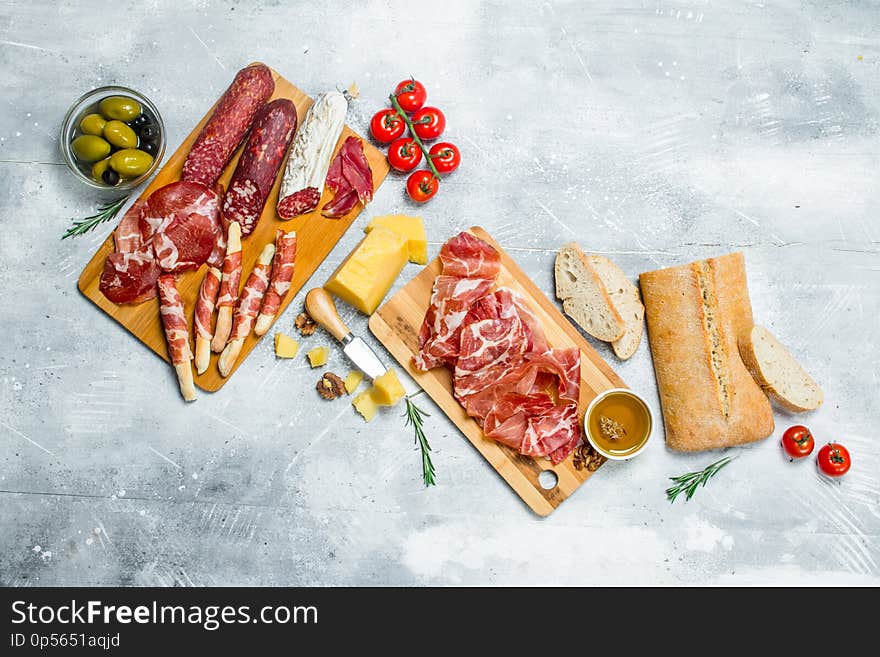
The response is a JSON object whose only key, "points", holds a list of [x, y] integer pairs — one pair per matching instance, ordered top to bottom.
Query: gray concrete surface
{"points": [[656, 132]]}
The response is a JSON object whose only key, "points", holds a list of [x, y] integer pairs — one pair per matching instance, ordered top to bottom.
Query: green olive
{"points": [[121, 108], [92, 124], [120, 135], [90, 148], [130, 162], [99, 167]]}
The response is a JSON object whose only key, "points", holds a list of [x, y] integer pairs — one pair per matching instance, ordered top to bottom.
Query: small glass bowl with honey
{"points": [[618, 424]]}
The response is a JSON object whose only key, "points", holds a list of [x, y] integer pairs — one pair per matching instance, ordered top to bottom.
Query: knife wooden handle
{"points": [[319, 304]]}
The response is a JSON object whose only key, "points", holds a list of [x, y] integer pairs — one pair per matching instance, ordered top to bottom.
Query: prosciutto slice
{"points": [[349, 178], [127, 236], [129, 277], [279, 285], [176, 333], [506, 375]]}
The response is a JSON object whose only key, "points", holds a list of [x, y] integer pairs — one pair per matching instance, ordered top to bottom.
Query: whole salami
{"points": [[222, 134], [263, 153]]}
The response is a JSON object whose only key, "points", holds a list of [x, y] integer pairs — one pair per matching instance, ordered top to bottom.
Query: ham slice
{"points": [[349, 178], [129, 277]]}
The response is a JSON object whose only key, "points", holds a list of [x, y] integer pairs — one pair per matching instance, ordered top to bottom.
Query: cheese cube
{"points": [[411, 228], [366, 275], [285, 346], [317, 356], [353, 380], [387, 390], [365, 404]]}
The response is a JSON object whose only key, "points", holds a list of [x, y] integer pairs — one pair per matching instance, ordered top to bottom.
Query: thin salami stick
{"points": [[279, 286], [228, 288], [247, 309], [203, 315], [176, 334]]}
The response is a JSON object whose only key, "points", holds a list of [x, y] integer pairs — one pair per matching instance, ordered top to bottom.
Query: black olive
{"points": [[139, 121], [148, 132], [150, 147], [110, 177]]}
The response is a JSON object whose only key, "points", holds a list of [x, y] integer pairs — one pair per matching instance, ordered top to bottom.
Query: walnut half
{"points": [[305, 324], [330, 386]]}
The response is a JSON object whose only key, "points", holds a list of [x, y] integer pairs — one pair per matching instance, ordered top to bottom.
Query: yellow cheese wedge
{"points": [[411, 228], [366, 275], [285, 346], [317, 356], [353, 380], [387, 390], [365, 404]]}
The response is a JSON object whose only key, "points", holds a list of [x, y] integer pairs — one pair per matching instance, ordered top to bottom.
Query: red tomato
{"points": [[411, 95], [429, 123], [386, 125], [404, 154], [445, 156], [422, 185], [798, 441], [833, 460]]}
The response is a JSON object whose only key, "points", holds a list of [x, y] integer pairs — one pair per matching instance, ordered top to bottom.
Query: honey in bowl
{"points": [[618, 423]]}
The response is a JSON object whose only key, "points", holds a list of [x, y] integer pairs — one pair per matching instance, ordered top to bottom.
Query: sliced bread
{"points": [[584, 297], [625, 298], [778, 373]]}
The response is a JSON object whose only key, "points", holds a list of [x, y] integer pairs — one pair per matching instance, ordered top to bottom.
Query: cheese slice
{"points": [[411, 228], [365, 276], [285, 346], [317, 356], [353, 380], [387, 390], [365, 404]]}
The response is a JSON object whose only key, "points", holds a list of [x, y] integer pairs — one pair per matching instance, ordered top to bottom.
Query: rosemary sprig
{"points": [[412, 133], [105, 213], [415, 417], [689, 482]]}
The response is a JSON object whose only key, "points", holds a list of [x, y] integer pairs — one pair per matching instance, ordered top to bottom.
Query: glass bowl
{"points": [[86, 104]]}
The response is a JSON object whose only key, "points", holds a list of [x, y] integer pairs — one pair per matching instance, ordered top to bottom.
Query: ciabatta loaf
{"points": [[584, 297], [626, 300], [696, 315], [778, 373]]}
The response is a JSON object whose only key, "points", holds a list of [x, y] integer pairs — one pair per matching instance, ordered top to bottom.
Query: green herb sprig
{"points": [[105, 213], [415, 418], [689, 482]]}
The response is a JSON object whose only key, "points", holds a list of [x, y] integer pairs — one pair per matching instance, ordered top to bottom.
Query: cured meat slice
{"points": [[224, 131], [260, 160], [349, 178], [127, 236], [185, 243], [467, 256], [129, 277], [229, 282], [279, 285], [248, 306], [202, 316], [176, 334], [490, 349]]}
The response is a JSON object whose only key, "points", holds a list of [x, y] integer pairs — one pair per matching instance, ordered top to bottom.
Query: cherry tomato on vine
{"points": [[411, 95], [429, 123], [386, 125], [404, 154], [445, 156], [422, 185], [797, 441], [833, 460]]}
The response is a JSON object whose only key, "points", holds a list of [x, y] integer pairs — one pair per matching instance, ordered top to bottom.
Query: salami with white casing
{"points": [[229, 281], [279, 286], [248, 306], [203, 315], [176, 334]]}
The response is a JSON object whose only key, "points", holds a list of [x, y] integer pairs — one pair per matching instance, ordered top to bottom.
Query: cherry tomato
{"points": [[411, 95], [429, 123], [386, 125], [404, 154], [445, 156], [421, 185], [798, 441], [833, 460]]}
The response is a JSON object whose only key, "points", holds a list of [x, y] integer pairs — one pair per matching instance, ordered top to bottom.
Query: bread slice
{"points": [[584, 297], [626, 300], [778, 373]]}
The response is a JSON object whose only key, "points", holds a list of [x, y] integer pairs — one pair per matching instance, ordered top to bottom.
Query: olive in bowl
{"points": [[113, 137]]}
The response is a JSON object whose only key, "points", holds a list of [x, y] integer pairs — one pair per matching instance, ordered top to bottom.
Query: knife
{"points": [[319, 304]]}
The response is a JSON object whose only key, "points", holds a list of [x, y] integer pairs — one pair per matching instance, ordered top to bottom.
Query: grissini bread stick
{"points": [[229, 282], [279, 286], [248, 306], [203, 315], [176, 334]]}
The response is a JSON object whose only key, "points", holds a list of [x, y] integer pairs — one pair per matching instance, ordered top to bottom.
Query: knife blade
{"points": [[319, 304]]}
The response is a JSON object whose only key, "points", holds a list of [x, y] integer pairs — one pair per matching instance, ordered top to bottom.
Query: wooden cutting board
{"points": [[316, 236], [396, 324]]}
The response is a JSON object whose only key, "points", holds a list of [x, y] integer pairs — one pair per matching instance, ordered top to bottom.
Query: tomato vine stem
{"points": [[415, 137]]}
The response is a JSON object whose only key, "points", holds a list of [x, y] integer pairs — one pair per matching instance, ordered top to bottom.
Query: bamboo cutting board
{"points": [[315, 237], [396, 324]]}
